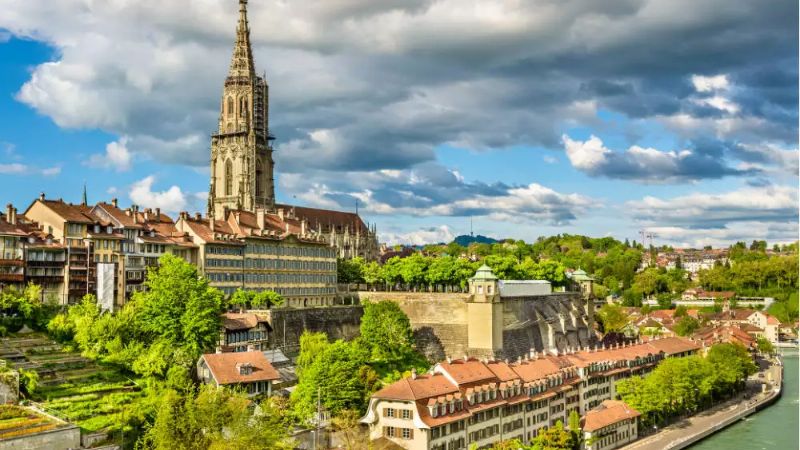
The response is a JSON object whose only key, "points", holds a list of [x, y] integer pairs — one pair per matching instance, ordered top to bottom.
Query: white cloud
{"points": [[709, 84], [719, 102], [585, 155], [117, 157], [550, 159], [644, 164], [13, 169], [24, 169], [51, 171], [171, 200], [747, 213], [433, 235]]}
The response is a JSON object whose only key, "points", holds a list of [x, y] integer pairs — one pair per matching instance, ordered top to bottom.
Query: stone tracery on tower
{"points": [[242, 165]]}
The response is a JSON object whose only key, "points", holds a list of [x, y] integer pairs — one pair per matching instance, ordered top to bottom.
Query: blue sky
{"points": [[533, 118]]}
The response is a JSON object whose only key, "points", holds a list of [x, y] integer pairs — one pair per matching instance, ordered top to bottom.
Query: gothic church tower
{"points": [[241, 150]]}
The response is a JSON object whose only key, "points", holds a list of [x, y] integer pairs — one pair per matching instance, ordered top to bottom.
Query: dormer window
{"points": [[96, 228], [433, 411]]}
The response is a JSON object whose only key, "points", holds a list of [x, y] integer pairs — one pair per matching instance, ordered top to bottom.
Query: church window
{"points": [[230, 106], [242, 106], [259, 174], [228, 177]]}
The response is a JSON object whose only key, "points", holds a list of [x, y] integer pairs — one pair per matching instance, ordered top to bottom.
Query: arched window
{"points": [[230, 106], [242, 106], [259, 174], [228, 178]]}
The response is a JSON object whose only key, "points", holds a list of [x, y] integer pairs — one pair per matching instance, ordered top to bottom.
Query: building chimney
{"points": [[41, 196], [115, 203], [280, 213], [11, 214], [147, 214], [158, 214], [198, 216], [261, 218], [303, 227]]}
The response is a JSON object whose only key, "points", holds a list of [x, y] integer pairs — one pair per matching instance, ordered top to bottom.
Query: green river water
{"points": [[775, 428]]}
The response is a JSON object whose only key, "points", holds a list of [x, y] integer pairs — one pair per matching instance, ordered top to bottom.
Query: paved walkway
{"points": [[676, 435]]}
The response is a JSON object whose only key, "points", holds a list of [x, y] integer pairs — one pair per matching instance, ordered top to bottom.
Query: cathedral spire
{"points": [[242, 61]]}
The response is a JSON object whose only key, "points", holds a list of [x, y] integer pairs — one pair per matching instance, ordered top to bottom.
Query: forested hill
{"points": [[465, 240], [753, 271]]}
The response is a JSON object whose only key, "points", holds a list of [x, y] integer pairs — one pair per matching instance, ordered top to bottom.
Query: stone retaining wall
{"points": [[338, 322]]}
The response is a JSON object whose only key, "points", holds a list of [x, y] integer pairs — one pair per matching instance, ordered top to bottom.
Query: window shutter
{"points": [[411, 433]]}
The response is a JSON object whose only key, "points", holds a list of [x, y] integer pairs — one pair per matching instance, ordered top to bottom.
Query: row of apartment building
{"points": [[71, 250], [466, 402]]}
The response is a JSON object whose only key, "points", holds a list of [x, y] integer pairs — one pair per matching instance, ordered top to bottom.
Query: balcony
{"points": [[12, 263], [32, 263], [11, 278], [45, 279]]}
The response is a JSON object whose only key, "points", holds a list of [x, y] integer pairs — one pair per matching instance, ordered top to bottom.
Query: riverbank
{"points": [[693, 429]]}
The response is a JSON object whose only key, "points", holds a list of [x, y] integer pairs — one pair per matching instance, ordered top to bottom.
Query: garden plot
{"points": [[70, 386]]}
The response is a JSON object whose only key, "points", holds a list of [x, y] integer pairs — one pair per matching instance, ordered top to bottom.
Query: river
{"points": [[773, 428]]}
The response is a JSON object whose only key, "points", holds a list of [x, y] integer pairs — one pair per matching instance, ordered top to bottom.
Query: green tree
{"points": [[350, 270], [179, 307], [613, 318], [686, 326], [386, 330], [765, 346], [342, 378], [213, 418], [554, 438]]}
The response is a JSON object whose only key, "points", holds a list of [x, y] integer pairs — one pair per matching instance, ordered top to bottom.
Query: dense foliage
{"points": [[255, 300], [25, 308], [612, 318], [171, 323], [342, 375], [683, 385], [213, 418]]}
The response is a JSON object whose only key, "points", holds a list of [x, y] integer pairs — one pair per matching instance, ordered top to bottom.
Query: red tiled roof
{"points": [[69, 212], [325, 217], [240, 321], [223, 367], [469, 371], [421, 388], [608, 413]]}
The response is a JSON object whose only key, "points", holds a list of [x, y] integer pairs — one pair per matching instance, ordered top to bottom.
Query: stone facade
{"points": [[241, 153], [442, 323], [287, 324]]}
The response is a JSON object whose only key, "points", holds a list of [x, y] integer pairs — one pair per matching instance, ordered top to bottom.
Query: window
{"points": [[230, 106], [259, 174], [228, 178], [389, 412], [405, 414], [389, 431], [407, 433]]}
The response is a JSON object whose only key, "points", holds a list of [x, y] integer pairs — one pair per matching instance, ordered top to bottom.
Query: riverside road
{"points": [[687, 431]]}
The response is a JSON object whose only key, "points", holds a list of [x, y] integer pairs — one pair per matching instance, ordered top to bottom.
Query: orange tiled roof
{"points": [[240, 321], [223, 367], [467, 371], [421, 388], [608, 413]]}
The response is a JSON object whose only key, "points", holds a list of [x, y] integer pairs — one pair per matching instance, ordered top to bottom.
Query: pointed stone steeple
{"points": [[242, 62], [241, 152]]}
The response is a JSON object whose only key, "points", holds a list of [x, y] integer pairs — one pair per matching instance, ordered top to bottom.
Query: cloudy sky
{"points": [[530, 117]]}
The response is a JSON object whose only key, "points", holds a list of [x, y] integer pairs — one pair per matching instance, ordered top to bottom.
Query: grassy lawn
{"points": [[71, 387]]}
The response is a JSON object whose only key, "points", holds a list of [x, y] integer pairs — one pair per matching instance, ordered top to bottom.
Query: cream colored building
{"points": [[264, 251], [466, 402], [611, 425]]}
